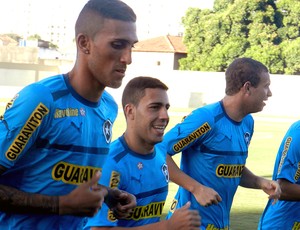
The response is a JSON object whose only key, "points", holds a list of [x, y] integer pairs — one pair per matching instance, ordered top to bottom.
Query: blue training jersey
{"points": [[51, 141], [214, 150], [145, 176], [285, 214]]}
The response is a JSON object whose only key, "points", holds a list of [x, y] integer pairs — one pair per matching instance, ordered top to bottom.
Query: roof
{"points": [[7, 41], [163, 44]]}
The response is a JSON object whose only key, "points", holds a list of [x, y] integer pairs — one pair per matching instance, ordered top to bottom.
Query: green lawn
{"points": [[248, 203]]}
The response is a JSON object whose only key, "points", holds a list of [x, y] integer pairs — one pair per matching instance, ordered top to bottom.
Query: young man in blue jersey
{"points": [[55, 134], [214, 142], [138, 165], [285, 214]]}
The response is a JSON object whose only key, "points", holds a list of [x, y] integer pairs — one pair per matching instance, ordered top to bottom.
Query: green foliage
{"points": [[266, 30], [34, 37]]}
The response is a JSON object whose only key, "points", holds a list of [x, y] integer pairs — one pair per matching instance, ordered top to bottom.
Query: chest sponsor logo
{"points": [[68, 112], [33, 122], [192, 137], [229, 171], [73, 174], [114, 179], [173, 205], [143, 212], [296, 226], [213, 227]]}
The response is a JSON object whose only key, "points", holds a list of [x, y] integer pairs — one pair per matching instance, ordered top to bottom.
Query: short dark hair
{"points": [[110, 9], [242, 70], [135, 89]]}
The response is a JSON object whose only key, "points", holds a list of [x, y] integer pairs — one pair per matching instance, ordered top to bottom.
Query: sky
{"points": [[166, 11]]}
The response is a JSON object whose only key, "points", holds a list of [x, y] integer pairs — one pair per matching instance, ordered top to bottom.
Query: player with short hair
{"points": [[55, 133], [214, 142], [138, 165]]}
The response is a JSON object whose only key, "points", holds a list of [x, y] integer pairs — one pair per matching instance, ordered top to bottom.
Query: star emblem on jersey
{"points": [[107, 130], [140, 165]]}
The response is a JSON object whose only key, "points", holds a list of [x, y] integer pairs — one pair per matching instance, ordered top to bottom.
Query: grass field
{"points": [[248, 203]]}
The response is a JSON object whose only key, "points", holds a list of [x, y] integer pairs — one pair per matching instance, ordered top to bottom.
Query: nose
{"points": [[126, 56], [269, 93], [164, 115]]}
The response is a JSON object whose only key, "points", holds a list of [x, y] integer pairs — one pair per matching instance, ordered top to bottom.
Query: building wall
{"points": [[17, 54], [153, 60], [186, 88], [195, 88]]}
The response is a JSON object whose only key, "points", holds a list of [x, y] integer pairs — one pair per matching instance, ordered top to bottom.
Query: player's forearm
{"points": [[179, 177], [249, 180], [289, 191], [16, 201]]}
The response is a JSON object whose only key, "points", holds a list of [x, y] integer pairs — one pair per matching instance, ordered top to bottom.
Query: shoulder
{"points": [[46, 87], [36, 95], [108, 99], [109, 106], [206, 114], [249, 119], [161, 149], [117, 150]]}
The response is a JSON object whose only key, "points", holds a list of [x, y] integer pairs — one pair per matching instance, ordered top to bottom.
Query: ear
{"points": [[83, 43], [247, 87], [129, 111]]}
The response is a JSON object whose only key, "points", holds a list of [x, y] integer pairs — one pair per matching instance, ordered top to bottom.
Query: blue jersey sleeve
{"points": [[25, 115], [195, 127], [289, 155]]}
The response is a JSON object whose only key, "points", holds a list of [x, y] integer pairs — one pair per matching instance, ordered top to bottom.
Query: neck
{"points": [[85, 87], [233, 108], [138, 145]]}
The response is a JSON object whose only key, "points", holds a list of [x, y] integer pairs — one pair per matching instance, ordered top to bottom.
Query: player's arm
{"points": [[271, 187], [289, 191], [204, 195], [16, 201], [80, 202], [183, 218]]}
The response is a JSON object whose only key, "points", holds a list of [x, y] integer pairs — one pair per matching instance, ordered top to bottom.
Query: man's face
{"points": [[110, 52], [260, 94], [151, 116]]}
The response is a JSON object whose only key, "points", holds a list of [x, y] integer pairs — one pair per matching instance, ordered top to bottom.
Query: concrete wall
{"points": [[15, 54], [153, 60], [208, 87], [186, 88]]}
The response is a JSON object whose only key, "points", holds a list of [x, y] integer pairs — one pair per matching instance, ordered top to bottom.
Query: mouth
{"points": [[121, 70], [264, 102], [160, 129]]}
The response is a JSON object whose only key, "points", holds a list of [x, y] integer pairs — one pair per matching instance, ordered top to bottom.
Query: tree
{"points": [[235, 28], [34, 37]]}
